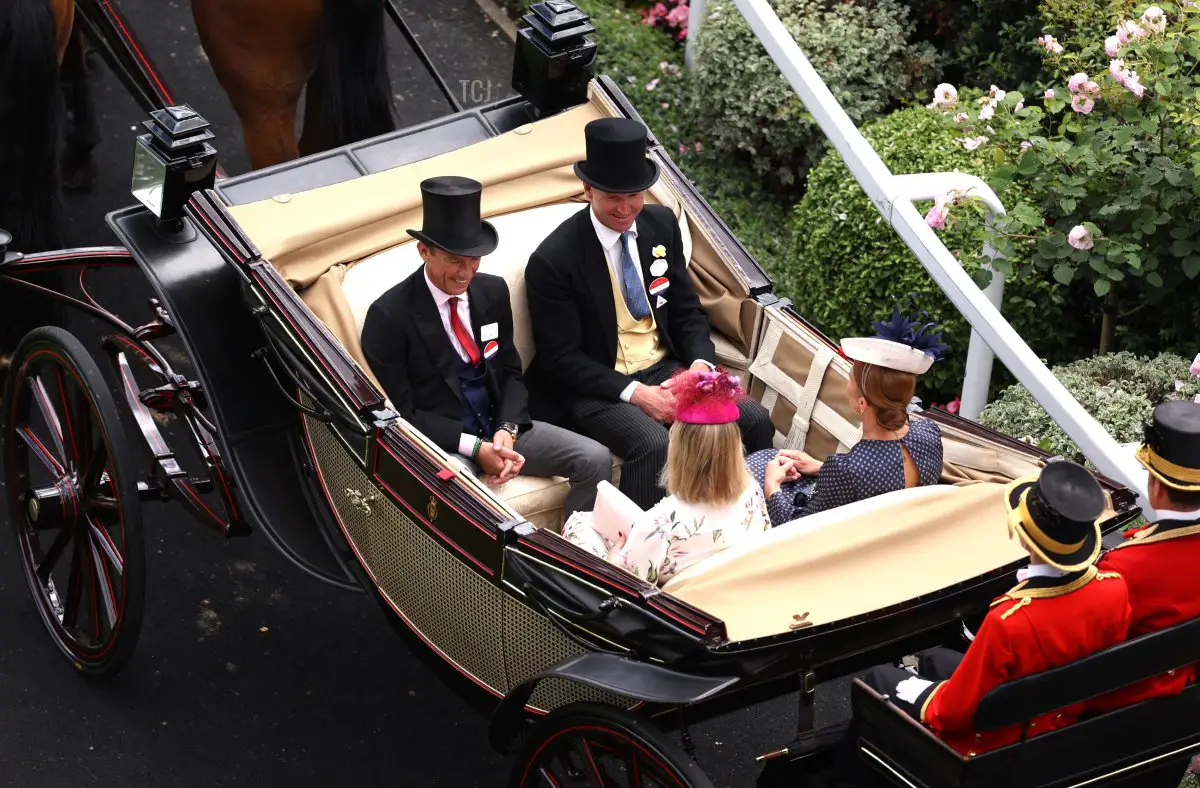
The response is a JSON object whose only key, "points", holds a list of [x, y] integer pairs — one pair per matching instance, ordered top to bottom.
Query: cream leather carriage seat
{"points": [[538, 499]]}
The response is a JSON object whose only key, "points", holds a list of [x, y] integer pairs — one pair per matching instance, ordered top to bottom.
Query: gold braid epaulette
{"points": [[1106, 575], [1027, 600]]}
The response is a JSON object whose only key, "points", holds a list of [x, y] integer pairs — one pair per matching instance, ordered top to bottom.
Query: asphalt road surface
{"points": [[248, 672]]}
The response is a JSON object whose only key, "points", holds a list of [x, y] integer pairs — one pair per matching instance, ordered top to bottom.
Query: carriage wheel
{"points": [[73, 500], [588, 744]]}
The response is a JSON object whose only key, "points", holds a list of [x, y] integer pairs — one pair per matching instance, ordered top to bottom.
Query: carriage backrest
{"points": [[520, 233], [1095, 675]]}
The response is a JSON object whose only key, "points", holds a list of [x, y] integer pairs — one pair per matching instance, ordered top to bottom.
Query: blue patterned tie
{"points": [[635, 294]]}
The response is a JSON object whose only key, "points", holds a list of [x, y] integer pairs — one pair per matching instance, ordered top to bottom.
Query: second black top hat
{"points": [[616, 157]]}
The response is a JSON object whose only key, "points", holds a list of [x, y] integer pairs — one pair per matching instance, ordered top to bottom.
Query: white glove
{"points": [[910, 689]]}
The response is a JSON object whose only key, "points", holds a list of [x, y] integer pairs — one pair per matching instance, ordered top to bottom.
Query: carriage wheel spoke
{"points": [[41, 398], [75, 419], [38, 447], [94, 464], [104, 542], [54, 553], [102, 582], [74, 588], [595, 778], [547, 779]]}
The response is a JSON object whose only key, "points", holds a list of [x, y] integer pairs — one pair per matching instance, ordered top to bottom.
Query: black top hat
{"points": [[616, 157], [451, 218], [1171, 450], [1057, 513]]}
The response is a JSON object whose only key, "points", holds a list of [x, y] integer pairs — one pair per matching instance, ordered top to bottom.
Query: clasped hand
{"points": [[658, 402], [500, 462], [788, 466]]}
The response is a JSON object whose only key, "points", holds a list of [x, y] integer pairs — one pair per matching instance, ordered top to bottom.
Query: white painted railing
{"points": [[893, 196]]}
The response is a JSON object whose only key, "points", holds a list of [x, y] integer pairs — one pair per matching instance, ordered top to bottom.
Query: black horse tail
{"points": [[349, 95], [29, 125]]}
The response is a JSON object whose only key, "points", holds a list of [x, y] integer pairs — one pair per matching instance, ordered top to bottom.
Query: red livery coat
{"points": [[1158, 563], [1038, 625]]}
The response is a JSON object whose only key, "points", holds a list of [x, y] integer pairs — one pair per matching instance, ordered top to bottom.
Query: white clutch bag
{"points": [[614, 513]]}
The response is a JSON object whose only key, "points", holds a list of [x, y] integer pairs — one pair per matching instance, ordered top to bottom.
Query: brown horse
{"points": [[265, 53]]}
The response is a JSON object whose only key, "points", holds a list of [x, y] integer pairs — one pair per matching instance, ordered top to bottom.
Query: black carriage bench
{"points": [[1146, 745]]}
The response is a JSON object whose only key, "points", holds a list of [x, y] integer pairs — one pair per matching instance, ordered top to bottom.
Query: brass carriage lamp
{"points": [[555, 58], [172, 161]]}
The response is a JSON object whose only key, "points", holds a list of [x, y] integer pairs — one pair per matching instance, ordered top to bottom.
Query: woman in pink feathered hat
{"points": [[712, 502]]}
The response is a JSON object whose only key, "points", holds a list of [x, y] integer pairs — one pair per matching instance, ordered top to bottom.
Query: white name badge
{"points": [[658, 268], [490, 331]]}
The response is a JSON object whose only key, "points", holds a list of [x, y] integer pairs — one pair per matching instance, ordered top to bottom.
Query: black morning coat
{"points": [[573, 314], [406, 346]]}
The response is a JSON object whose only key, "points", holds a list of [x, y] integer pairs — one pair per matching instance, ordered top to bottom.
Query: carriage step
{"points": [[148, 491]]}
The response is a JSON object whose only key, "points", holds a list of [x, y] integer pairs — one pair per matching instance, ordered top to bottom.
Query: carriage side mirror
{"points": [[555, 58], [173, 161]]}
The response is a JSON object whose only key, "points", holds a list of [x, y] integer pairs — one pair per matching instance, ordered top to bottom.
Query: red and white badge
{"points": [[659, 285], [491, 349]]}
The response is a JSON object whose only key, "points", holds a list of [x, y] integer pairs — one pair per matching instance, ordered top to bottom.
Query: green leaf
{"points": [[1162, 87], [998, 156], [1067, 204], [1181, 247], [1098, 265], [1191, 266], [1063, 273], [1115, 274], [1154, 279], [1102, 286]]}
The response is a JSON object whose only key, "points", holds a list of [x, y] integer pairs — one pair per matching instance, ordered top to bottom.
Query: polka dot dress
{"points": [[872, 467]]}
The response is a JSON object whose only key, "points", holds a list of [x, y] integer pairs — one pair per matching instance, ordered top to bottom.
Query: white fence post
{"points": [[696, 11], [930, 186], [887, 194]]}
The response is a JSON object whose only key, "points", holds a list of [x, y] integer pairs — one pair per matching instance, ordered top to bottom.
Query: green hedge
{"points": [[862, 50], [846, 265], [1119, 390]]}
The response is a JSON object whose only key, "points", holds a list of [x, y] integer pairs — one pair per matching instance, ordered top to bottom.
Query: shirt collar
{"points": [[608, 236], [440, 297], [1174, 514], [1039, 570]]}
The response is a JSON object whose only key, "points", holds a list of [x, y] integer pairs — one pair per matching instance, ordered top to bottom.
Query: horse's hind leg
{"points": [[262, 55], [83, 130]]}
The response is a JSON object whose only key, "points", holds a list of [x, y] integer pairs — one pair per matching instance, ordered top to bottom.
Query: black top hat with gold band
{"points": [[1171, 450], [1056, 512]]}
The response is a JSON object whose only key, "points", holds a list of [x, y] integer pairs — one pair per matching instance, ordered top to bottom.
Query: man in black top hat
{"points": [[614, 312], [441, 345], [1062, 610]]}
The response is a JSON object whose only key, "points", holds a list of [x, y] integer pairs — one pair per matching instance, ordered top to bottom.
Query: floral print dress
{"points": [[673, 534]]}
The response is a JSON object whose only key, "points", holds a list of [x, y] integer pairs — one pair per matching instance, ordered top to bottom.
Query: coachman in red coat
{"points": [[1159, 561], [1062, 609]]}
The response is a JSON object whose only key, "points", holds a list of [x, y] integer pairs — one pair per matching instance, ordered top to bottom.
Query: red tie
{"points": [[460, 331]]}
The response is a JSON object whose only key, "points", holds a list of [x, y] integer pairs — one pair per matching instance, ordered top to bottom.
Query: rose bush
{"points": [[1105, 165]]}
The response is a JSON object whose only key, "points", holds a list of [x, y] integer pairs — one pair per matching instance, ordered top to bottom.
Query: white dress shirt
{"points": [[610, 242], [466, 441], [1039, 570]]}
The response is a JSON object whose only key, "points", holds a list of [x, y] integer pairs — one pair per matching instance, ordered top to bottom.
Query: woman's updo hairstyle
{"points": [[887, 391]]}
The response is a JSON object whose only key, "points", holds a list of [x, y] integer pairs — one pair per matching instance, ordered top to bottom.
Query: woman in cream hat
{"points": [[894, 452]]}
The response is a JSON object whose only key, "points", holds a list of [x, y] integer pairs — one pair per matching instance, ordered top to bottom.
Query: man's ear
{"points": [[587, 192], [422, 250]]}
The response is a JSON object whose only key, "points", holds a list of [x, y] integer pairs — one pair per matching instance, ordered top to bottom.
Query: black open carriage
{"points": [[263, 280]]}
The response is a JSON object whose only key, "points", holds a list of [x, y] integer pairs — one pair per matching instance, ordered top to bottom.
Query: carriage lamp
{"points": [[555, 58], [173, 160]]}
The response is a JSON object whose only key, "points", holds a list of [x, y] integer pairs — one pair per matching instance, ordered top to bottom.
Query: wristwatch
{"points": [[511, 429]]}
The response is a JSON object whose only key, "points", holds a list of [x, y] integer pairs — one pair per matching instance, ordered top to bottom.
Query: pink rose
{"points": [[1112, 45], [1077, 82], [1133, 86], [1049, 94], [1082, 104], [936, 218], [1080, 238], [1195, 370]]}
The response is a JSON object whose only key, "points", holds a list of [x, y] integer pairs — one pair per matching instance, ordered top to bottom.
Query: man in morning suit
{"points": [[614, 312], [441, 345], [1159, 560], [1062, 610]]}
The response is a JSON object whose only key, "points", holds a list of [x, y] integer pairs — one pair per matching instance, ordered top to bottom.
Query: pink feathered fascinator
{"points": [[706, 397]]}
